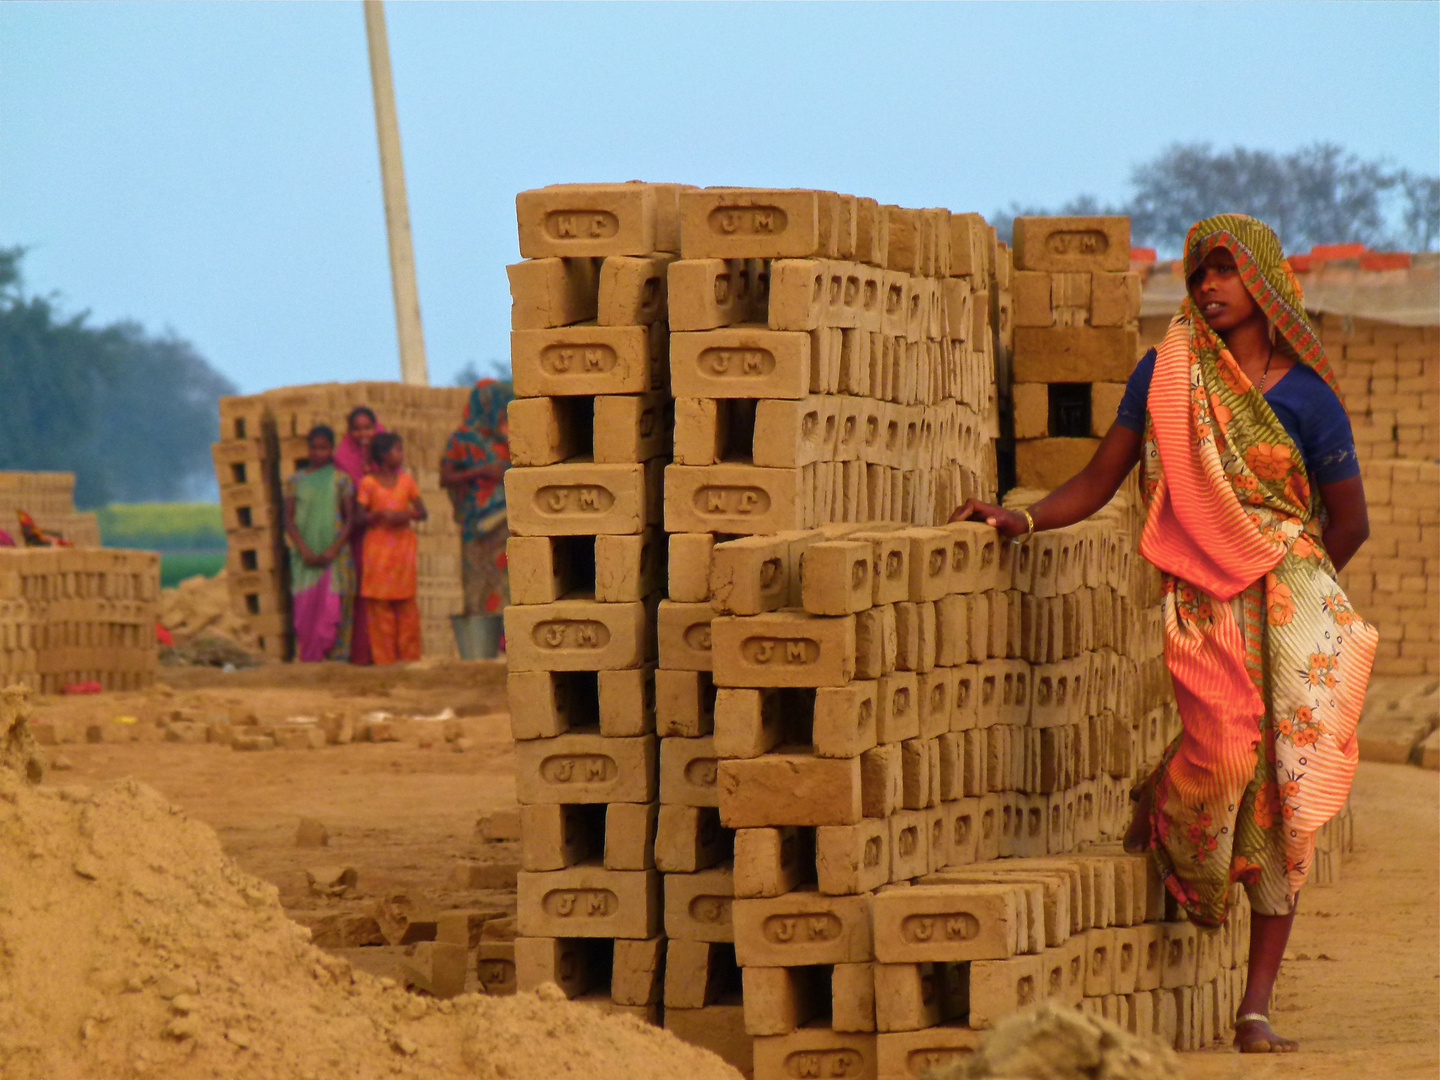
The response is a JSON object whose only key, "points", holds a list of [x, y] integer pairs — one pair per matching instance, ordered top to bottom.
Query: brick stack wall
{"points": [[262, 445], [49, 498], [73, 615], [842, 785]]}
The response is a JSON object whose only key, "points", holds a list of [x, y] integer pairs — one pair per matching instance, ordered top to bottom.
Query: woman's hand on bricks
{"points": [[1008, 523]]}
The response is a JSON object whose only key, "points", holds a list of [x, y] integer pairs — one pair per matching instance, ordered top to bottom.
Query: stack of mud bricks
{"points": [[1076, 306], [1390, 376], [590, 434], [263, 444], [49, 498], [78, 615]]}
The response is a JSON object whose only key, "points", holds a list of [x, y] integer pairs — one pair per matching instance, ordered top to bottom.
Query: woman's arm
{"points": [[451, 475], [1076, 499], [417, 509], [1349, 519], [347, 525], [307, 556]]}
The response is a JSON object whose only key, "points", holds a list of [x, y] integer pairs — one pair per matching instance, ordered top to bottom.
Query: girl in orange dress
{"points": [[391, 501]]}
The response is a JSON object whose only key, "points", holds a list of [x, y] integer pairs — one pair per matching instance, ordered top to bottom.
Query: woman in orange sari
{"points": [[1254, 502]]}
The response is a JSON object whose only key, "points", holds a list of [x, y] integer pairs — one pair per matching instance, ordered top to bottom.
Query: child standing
{"points": [[391, 500], [319, 514]]}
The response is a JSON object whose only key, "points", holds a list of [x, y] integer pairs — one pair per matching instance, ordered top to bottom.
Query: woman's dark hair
{"points": [[360, 410], [321, 431], [382, 444]]}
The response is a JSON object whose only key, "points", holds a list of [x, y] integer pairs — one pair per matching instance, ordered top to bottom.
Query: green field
{"points": [[188, 536]]}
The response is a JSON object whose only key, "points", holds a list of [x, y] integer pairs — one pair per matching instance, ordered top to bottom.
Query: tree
{"points": [[1319, 194], [471, 373], [130, 414]]}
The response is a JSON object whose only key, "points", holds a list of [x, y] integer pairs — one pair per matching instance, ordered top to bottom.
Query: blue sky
{"points": [[211, 168]]}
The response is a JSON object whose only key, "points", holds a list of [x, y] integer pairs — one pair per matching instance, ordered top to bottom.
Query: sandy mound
{"points": [[198, 611], [131, 947], [1051, 1043]]}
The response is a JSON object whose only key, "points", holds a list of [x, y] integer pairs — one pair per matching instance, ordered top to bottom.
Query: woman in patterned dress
{"points": [[1254, 502]]}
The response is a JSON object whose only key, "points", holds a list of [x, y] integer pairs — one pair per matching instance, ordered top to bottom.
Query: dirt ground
{"points": [[1361, 990]]}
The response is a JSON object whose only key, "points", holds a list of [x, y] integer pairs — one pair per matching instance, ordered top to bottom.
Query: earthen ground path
{"points": [[1361, 990]]}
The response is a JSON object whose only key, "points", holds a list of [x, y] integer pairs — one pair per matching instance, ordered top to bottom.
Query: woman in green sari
{"points": [[319, 514]]}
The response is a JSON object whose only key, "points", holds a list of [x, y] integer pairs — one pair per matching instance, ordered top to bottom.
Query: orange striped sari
{"points": [[1268, 659]]}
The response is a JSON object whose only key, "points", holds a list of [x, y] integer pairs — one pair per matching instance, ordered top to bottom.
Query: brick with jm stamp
{"points": [[783, 648]]}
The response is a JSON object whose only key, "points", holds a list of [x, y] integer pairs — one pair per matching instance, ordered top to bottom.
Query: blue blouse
{"points": [[1302, 401]]}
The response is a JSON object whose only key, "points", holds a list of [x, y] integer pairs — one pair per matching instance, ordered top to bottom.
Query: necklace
{"points": [[1265, 375]]}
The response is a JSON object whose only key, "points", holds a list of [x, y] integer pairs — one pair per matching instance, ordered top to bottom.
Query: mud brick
{"points": [[588, 220], [745, 223], [1065, 244], [632, 290], [552, 292], [707, 293], [798, 294], [1030, 294], [1114, 299], [1073, 354], [587, 359], [741, 362], [632, 428], [547, 430], [730, 498], [581, 499], [974, 557], [929, 563], [890, 565], [629, 567], [689, 567], [750, 575], [835, 577], [683, 632], [576, 635], [915, 636], [876, 646], [784, 648], [935, 696], [1058, 698], [684, 703], [539, 707], [897, 711], [965, 712], [845, 720], [748, 722], [584, 768], [949, 769], [688, 772], [914, 774], [880, 781], [789, 789], [962, 823], [991, 827], [629, 835], [554, 836], [690, 838], [909, 845], [852, 858], [772, 861], [591, 902], [698, 905], [946, 922], [802, 928], [1100, 948], [1149, 955], [1207, 955], [1126, 958], [565, 962], [1180, 964], [495, 967], [636, 969], [696, 973], [1001, 987], [852, 996], [911, 996], [778, 1000], [719, 1028], [816, 1051], [912, 1055]]}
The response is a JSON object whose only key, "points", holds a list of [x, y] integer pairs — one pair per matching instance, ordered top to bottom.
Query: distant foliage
{"points": [[1319, 194], [472, 373], [131, 414], [163, 526]]}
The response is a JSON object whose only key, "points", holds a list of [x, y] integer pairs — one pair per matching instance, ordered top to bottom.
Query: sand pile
{"points": [[203, 625], [132, 947], [1054, 1043]]}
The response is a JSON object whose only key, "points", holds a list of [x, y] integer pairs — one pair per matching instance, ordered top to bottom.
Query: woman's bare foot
{"points": [[1137, 836], [1255, 1037]]}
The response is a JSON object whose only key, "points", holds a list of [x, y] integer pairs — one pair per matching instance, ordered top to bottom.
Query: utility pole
{"points": [[397, 210]]}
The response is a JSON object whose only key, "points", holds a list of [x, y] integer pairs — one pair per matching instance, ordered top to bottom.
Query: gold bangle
{"points": [[1029, 521]]}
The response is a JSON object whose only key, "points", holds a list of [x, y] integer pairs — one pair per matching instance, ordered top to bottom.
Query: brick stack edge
{"points": [[263, 443], [74, 614], [810, 777]]}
